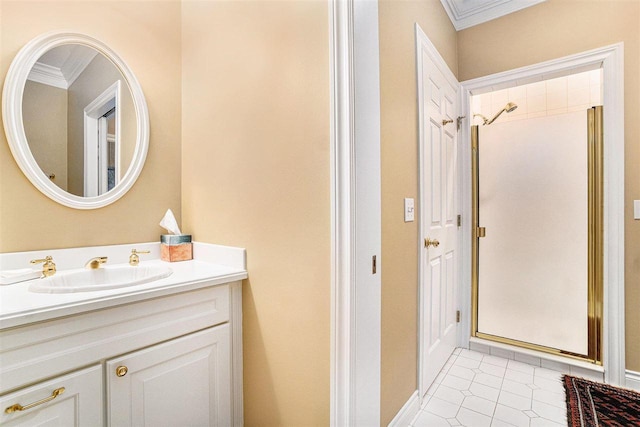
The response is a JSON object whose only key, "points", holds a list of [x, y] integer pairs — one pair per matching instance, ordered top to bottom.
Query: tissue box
{"points": [[176, 247]]}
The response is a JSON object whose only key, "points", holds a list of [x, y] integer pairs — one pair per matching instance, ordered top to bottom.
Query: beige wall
{"points": [[558, 28], [147, 36], [46, 128], [399, 164], [255, 174]]}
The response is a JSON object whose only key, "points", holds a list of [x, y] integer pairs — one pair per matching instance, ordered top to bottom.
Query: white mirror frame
{"points": [[14, 128]]}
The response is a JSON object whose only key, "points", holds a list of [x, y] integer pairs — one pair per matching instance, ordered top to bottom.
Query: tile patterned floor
{"points": [[478, 390]]}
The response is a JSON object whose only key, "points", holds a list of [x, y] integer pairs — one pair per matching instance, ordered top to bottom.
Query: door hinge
{"points": [[459, 122], [459, 221], [374, 266], [458, 316]]}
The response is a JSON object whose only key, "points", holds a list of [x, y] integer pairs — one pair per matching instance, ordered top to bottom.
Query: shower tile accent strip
{"points": [[476, 389]]}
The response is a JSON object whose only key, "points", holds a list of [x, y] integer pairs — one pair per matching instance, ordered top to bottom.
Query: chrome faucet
{"points": [[95, 262]]}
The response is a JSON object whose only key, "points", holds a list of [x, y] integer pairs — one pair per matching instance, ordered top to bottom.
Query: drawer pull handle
{"points": [[121, 371], [18, 407]]}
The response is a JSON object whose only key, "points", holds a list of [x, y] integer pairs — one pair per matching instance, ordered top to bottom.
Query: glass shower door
{"points": [[532, 269]]}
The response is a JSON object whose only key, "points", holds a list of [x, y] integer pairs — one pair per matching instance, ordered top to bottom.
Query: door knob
{"points": [[431, 242], [121, 371]]}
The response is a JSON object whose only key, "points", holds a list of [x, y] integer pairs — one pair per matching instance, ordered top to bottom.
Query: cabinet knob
{"points": [[121, 371]]}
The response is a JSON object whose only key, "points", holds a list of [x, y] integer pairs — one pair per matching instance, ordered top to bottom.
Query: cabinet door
{"points": [[182, 382], [70, 400]]}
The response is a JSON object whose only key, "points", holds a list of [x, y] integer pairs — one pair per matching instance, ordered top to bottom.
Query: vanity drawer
{"points": [[42, 350], [74, 399]]}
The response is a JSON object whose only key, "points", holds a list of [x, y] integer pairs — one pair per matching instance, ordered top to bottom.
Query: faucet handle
{"points": [[134, 259], [48, 268]]}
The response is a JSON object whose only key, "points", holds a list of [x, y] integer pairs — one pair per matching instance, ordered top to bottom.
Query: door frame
{"points": [[422, 41], [611, 59], [108, 99], [355, 213]]}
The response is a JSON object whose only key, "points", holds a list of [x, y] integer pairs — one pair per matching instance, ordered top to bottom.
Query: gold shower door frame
{"points": [[595, 301]]}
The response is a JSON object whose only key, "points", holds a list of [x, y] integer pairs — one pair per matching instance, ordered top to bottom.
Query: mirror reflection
{"points": [[79, 119]]}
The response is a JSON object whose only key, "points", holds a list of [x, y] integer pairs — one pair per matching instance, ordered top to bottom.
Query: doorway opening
{"points": [[610, 60], [102, 142], [537, 216]]}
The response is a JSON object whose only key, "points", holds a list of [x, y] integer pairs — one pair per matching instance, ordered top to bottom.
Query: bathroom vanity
{"points": [[102, 340], [168, 352]]}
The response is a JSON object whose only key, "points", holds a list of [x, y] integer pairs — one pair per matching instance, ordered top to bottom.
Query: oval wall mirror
{"points": [[76, 119]]}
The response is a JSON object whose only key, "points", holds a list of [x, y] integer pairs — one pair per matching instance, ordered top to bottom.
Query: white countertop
{"points": [[213, 265]]}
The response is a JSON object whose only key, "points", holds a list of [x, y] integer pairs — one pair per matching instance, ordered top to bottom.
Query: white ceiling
{"points": [[467, 13]]}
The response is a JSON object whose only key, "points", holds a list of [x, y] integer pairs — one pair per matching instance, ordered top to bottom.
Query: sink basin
{"points": [[100, 279]]}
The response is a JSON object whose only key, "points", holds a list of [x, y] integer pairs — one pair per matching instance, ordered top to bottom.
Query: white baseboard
{"points": [[633, 380], [407, 413]]}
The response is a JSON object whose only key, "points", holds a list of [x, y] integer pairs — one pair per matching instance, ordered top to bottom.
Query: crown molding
{"points": [[467, 13], [76, 64], [48, 75], [64, 76]]}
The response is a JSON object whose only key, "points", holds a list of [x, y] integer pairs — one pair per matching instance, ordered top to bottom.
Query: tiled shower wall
{"points": [[556, 96]]}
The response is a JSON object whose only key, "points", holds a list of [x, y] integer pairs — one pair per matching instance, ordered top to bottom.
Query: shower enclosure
{"points": [[537, 224]]}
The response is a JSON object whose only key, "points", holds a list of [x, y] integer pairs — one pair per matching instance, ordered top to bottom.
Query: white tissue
{"points": [[169, 223]]}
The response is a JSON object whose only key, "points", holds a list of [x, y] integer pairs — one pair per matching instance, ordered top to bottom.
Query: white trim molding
{"points": [[464, 14], [341, 35], [610, 59], [76, 64], [48, 75], [64, 76], [95, 179], [355, 213], [633, 380], [408, 412]]}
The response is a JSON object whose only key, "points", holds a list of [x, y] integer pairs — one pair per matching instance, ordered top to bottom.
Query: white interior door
{"points": [[438, 107]]}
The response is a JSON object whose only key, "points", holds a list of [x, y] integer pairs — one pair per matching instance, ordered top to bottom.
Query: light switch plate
{"points": [[636, 209], [408, 210]]}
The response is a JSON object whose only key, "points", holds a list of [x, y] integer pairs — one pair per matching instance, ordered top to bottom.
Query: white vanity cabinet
{"points": [[169, 360]]}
